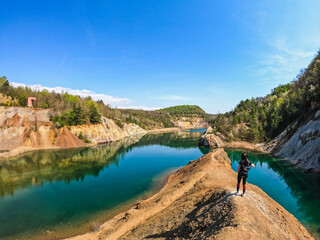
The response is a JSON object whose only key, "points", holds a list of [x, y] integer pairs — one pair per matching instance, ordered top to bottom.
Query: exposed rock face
{"points": [[190, 122], [24, 129], [107, 131], [211, 139], [303, 147], [198, 203]]}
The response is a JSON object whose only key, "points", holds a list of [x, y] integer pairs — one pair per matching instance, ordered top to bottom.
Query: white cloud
{"points": [[281, 45], [282, 63], [173, 98], [107, 99], [140, 108]]}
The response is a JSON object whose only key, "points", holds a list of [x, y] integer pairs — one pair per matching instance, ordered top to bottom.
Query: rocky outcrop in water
{"points": [[211, 139], [198, 202]]}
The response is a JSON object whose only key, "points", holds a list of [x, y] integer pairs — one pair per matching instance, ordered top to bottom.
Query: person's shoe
{"points": [[237, 193], [242, 195]]}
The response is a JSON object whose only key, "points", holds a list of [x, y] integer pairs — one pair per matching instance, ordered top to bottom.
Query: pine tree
{"points": [[4, 85], [76, 116], [95, 116]]}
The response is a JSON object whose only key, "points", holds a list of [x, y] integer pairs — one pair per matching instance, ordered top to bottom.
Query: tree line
{"points": [[69, 110], [261, 119]]}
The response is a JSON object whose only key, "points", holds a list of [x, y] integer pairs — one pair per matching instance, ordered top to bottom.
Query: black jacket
{"points": [[244, 167]]}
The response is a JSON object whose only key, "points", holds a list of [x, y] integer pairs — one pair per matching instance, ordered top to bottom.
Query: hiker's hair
{"points": [[244, 156]]}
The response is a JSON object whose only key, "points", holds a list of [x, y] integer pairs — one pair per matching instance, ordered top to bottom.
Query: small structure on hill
{"points": [[30, 101]]}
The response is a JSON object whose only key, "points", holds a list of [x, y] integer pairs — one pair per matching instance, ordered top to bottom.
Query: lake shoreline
{"points": [[164, 130]]}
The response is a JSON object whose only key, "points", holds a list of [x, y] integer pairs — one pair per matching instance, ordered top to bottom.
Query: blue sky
{"points": [[155, 54]]}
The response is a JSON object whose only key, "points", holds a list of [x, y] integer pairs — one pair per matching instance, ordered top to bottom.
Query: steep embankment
{"points": [[24, 129], [211, 139], [299, 144], [198, 203]]}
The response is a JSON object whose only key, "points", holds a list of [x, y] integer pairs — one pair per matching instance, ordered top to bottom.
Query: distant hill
{"points": [[183, 110], [162, 118], [261, 119]]}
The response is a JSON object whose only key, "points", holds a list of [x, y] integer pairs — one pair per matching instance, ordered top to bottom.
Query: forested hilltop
{"points": [[70, 110], [261, 119]]}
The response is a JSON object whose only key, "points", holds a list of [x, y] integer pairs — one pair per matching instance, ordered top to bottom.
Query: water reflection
{"points": [[179, 139], [38, 167]]}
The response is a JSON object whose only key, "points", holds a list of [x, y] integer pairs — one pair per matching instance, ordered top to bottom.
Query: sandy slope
{"points": [[198, 203]]}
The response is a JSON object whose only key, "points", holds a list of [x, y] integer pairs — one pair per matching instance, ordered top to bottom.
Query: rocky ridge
{"points": [[198, 202]]}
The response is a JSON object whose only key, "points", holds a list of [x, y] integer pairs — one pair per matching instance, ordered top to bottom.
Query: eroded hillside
{"points": [[25, 129]]}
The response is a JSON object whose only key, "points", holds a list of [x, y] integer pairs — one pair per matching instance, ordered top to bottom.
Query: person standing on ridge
{"points": [[243, 169]]}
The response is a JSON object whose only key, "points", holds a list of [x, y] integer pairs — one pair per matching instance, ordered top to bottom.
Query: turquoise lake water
{"points": [[297, 191], [51, 194]]}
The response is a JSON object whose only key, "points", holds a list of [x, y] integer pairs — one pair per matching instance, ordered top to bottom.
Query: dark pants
{"points": [[244, 178]]}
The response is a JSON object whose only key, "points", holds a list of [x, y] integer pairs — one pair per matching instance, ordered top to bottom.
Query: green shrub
{"points": [[23, 100], [119, 123]]}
